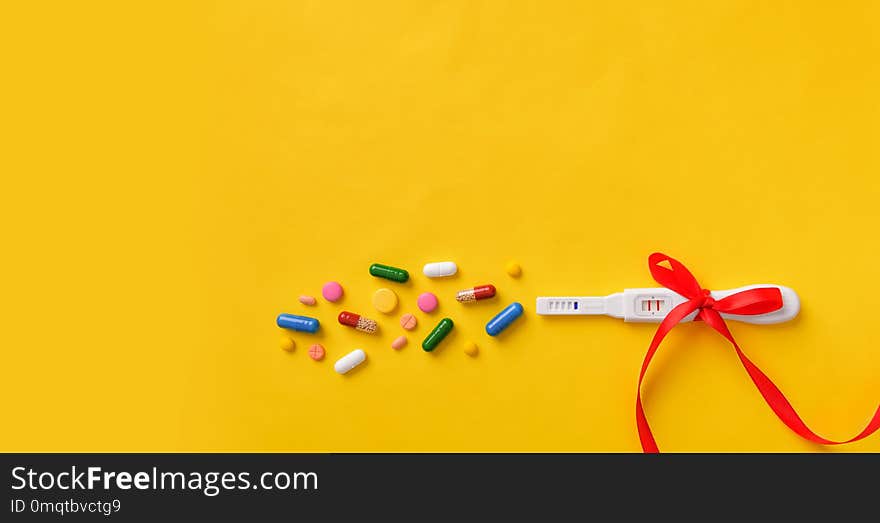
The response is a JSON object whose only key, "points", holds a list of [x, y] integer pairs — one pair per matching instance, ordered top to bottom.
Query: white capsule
{"points": [[440, 269], [349, 361]]}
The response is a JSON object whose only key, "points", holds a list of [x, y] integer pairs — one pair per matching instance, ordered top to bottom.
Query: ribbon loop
{"points": [[676, 277], [759, 300]]}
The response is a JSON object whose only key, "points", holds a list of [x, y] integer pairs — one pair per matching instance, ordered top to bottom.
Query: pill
{"points": [[440, 269], [513, 269], [389, 273], [332, 291], [480, 292], [307, 300], [385, 300], [427, 302], [503, 319], [408, 321], [358, 322], [297, 323], [436, 336], [287, 343], [398, 343], [471, 349], [316, 352], [349, 361]]}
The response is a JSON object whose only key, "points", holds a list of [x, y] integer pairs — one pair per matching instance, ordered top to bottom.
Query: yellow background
{"points": [[175, 174]]}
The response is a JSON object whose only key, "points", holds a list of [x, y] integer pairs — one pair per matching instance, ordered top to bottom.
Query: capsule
{"points": [[440, 269], [389, 273], [480, 292], [503, 319], [358, 322], [297, 323], [436, 336], [349, 361]]}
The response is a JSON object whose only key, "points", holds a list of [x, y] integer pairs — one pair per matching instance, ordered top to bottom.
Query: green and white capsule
{"points": [[436, 336]]}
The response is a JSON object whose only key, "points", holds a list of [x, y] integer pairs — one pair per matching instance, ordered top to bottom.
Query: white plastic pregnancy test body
{"points": [[652, 305]]}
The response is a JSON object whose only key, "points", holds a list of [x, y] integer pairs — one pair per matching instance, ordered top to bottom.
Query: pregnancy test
{"points": [[652, 305]]}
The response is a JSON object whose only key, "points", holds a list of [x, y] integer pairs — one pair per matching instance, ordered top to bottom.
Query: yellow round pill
{"points": [[513, 269], [385, 300], [287, 343], [471, 349]]}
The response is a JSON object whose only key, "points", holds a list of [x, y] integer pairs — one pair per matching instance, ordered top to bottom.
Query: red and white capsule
{"points": [[480, 292], [357, 321]]}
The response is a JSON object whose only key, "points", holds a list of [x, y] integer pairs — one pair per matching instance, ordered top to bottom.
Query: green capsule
{"points": [[388, 272], [440, 331]]}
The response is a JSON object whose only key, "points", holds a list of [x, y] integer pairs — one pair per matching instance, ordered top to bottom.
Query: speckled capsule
{"points": [[480, 292], [357, 321]]}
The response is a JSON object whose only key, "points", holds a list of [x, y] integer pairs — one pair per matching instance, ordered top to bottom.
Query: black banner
{"points": [[413, 487]]}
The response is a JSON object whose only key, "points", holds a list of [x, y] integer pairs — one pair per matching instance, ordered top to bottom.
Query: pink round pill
{"points": [[332, 291], [427, 302], [398, 343]]}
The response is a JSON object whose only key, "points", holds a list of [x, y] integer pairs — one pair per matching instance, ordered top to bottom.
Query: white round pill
{"points": [[440, 269], [349, 361]]}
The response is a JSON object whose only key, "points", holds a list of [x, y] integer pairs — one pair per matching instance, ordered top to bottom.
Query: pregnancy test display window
{"points": [[651, 305]]}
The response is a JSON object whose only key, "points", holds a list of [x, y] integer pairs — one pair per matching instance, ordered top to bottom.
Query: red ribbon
{"points": [[753, 301]]}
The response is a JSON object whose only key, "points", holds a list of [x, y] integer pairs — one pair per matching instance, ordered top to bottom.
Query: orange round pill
{"points": [[408, 321], [316, 352]]}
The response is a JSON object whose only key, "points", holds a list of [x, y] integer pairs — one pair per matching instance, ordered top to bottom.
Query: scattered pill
{"points": [[440, 269], [513, 269], [389, 273], [332, 291], [480, 292], [307, 300], [385, 300], [427, 302], [503, 319], [408, 321], [358, 322], [297, 323], [436, 336], [287, 343], [398, 343], [471, 349], [316, 352], [349, 361]]}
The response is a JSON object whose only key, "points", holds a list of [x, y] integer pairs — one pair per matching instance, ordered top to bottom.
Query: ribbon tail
{"points": [[774, 397], [786, 413], [649, 445]]}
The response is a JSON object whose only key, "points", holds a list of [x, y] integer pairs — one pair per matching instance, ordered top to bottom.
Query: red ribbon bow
{"points": [[753, 301]]}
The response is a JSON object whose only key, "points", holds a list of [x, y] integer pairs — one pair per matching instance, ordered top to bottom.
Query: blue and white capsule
{"points": [[503, 319], [298, 323]]}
